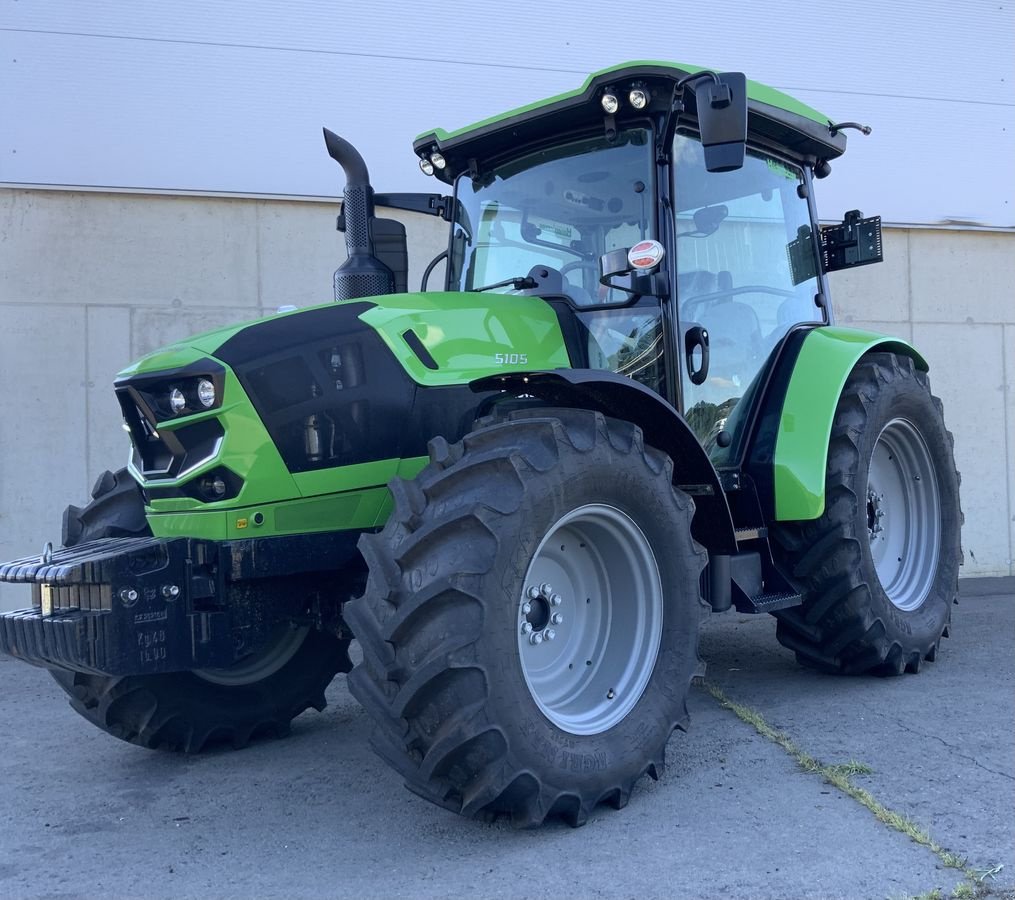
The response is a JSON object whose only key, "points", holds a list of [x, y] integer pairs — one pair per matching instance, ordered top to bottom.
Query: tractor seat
{"points": [[700, 281], [730, 322], [733, 327]]}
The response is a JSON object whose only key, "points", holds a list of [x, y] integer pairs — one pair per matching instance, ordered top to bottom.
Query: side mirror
{"points": [[722, 120], [708, 219]]}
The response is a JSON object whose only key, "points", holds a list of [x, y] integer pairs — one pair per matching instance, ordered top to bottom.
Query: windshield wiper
{"points": [[519, 284]]}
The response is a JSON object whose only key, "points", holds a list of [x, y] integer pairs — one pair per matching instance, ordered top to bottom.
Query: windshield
{"points": [[560, 208]]}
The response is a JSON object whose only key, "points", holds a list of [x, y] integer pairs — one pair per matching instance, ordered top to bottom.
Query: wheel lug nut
{"points": [[545, 589], [533, 593], [556, 600], [526, 608], [556, 618], [526, 627], [550, 634], [536, 638]]}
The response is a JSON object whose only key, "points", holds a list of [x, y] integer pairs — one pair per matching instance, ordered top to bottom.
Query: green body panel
{"points": [[757, 92], [464, 331], [826, 358], [345, 478], [350, 497], [329, 509], [329, 512]]}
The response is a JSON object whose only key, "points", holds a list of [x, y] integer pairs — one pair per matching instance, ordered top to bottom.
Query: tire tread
{"points": [[837, 629]]}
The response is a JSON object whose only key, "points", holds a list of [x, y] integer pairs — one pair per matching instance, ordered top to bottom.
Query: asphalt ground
{"points": [[736, 814]]}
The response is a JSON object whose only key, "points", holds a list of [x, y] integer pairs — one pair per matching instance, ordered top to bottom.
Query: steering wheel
{"points": [[589, 264], [584, 265]]}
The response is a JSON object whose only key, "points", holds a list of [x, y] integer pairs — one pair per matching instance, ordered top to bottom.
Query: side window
{"points": [[745, 271], [628, 342]]}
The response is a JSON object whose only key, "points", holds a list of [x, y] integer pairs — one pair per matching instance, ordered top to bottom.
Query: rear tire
{"points": [[554, 512], [880, 566], [190, 711]]}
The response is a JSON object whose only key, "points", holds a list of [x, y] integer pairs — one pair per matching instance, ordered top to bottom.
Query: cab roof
{"points": [[773, 118]]}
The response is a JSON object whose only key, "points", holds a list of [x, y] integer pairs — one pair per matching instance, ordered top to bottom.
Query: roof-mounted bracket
{"points": [[610, 127]]}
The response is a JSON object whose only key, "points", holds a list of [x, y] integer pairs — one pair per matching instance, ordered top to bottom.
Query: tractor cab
{"points": [[664, 212]]}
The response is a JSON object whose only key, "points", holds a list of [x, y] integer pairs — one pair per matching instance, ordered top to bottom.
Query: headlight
{"points": [[638, 98], [610, 102], [438, 160], [206, 393], [164, 396], [185, 396], [177, 402], [213, 487]]}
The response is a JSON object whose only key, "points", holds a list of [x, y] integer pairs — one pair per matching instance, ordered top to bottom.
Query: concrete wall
{"points": [[90, 281]]}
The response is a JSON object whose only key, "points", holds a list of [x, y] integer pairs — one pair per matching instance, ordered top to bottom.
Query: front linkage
{"points": [[146, 606]]}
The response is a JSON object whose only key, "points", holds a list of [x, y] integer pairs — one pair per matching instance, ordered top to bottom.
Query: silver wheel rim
{"points": [[903, 515], [590, 619], [259, 666]]}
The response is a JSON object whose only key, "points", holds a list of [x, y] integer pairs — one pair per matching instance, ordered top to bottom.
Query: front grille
{"points": [[161, 451], [164, 452]]}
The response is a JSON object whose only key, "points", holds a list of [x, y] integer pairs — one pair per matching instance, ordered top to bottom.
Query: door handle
{"points": [[694, 338]]}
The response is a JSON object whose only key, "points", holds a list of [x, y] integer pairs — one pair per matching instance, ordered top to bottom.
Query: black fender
{"points": [[664, 428]]}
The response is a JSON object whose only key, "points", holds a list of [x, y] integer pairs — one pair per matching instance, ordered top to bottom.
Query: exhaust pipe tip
{"points": [[348, 157], [362, 274]]}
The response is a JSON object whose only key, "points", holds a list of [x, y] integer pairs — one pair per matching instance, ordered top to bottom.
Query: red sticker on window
{"points": [[645, 254]]}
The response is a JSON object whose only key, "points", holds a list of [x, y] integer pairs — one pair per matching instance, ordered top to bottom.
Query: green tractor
{"points": [[626, 407]]}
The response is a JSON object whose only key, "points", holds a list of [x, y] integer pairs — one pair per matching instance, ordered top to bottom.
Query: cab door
{"points": [[746, 272]]}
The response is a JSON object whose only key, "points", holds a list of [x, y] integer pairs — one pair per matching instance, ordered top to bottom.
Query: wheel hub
{"points": [[875, 513], [903, 514], [538, 613], [590, 619]]}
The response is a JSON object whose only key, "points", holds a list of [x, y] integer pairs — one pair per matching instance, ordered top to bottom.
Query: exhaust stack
{"points": [[362, 274]]}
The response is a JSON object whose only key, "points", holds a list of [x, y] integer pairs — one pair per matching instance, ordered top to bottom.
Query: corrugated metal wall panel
{"points": [[223, 97]]}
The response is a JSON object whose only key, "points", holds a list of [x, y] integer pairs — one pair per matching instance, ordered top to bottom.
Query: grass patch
{"points": [[851, 768], [839, 776]]}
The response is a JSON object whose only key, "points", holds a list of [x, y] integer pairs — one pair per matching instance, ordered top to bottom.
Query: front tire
{"points": [[880, 566], [530, 622], [190, 711]]}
